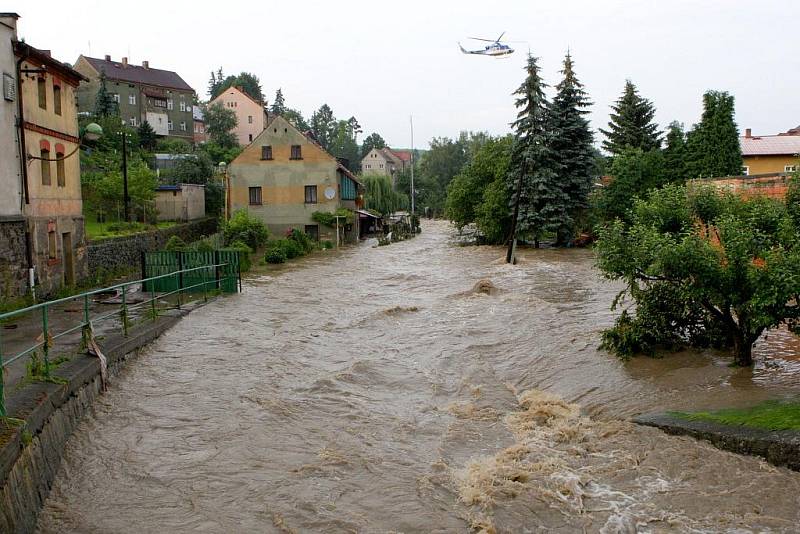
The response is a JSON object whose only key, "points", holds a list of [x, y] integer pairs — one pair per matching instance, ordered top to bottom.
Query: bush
{"points": [[244, 227], [302, 239], [175, 244], [326, 245], [292, 248], [244, 254], [275, 255]]}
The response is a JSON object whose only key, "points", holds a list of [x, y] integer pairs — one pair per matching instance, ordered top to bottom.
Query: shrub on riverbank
{"points": [[244, 227], [275, 255]]}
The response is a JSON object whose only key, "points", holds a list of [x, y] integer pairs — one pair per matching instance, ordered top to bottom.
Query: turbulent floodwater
{"points": [[418, 387]]}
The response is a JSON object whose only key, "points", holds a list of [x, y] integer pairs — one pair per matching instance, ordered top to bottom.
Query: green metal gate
{"points": [[226, 277]]}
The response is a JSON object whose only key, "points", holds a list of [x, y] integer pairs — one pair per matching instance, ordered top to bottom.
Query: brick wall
{"points": [[771, 185], [13, 264]]}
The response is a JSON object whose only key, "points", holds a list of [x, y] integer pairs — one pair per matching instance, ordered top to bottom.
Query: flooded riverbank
{"points": [[378, 389]]}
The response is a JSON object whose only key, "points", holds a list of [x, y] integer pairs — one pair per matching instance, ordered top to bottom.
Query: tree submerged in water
{"points": [[705, 268]]}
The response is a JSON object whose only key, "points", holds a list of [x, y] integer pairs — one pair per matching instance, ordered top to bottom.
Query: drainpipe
{"points": [[24, 170]]}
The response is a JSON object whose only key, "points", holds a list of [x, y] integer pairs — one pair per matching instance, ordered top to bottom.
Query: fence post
{"points": [[143, 261], [216, 269], [180, 277], [124, 311], [85, 334], [46, 342]]}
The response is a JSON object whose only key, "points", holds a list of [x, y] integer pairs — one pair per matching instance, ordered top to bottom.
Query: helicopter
{"points": [[496, 49]]}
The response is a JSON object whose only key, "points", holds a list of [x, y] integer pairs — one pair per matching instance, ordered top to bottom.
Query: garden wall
{"points": [[115, 253]]}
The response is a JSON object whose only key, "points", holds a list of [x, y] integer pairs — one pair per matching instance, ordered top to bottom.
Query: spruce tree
{"points": [[104, 103], [278, 105], [632, 123], [147, 137], [713, 145], [572, 146], [675, 154], [542, 202]]}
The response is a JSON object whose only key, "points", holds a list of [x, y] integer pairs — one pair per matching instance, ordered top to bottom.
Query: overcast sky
{"points": [[383, 63]]}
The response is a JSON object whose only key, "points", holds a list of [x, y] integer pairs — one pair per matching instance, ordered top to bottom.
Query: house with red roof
{"points": [[160, 97]]}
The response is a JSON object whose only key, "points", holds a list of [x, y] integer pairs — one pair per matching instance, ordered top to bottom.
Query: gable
{"points": [[281, 135]]}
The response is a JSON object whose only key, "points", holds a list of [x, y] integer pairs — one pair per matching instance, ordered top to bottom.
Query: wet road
{"points": [[390, 390]]}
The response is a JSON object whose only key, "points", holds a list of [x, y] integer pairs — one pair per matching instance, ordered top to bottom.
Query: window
{"points": [[41, 85], [115, 96], [57, 99], [132, 100], [159, 102], [169, 103], [183, 105], [249, 119], [133, 121], [170, 126], [183, 126], [196, 128], [249, 137], [266, 152], [297, 152], [381, 165], [45, 166], [790, 168], [745, 171], [61, 177], [347, 188], [311, 194], [255, 196], [51, 244]]}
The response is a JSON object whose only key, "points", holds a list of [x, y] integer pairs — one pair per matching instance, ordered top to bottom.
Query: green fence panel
{"points": [[165, 262]]}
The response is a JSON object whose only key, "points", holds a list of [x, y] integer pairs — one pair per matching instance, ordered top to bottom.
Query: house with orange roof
{"points": [[251, 115]]}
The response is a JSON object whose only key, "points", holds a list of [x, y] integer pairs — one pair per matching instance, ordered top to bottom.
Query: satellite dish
{"points": [[330, 193]]}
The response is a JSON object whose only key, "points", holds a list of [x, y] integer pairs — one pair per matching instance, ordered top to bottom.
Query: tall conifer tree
{"points": [[104, 103], [631, 124], [572, 145], [713, 145], [675, 154], [543, 204]]}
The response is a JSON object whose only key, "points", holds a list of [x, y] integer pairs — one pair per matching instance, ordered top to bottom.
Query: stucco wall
{"points": [[244, 108], [371, 163], [767, 164], [10, 177], [188, 204]]}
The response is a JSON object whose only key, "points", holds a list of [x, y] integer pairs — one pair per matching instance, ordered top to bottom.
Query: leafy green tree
{"points": [[249, 83], [104, 104], [278, 105], [296, 119], [220, 122], [632, 123], [323, 126], [355, 128], [147, 137], [373, 140], [572, 144], [713, 144], [173, 146], [344, 146], [218, 153], [675, 154], [438, 166], [195, 169], [633, 174], [465, 192], [380, 196], [542, 202], [493, 215], [735, 259]]}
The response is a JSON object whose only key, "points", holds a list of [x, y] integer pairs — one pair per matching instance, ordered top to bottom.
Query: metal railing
{"points": [[212, 277]]}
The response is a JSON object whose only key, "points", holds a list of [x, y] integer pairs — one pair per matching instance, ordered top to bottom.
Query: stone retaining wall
{"points": [[114, 253], [13, 263], [778, 447], [30, 456]]}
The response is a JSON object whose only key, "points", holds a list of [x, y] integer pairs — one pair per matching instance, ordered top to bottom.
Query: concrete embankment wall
{"points": [[114, 253], [778, 447], [30, 455]]}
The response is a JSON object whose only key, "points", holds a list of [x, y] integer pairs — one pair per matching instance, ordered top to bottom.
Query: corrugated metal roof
{"points": [[137, 74], [770, 145]]}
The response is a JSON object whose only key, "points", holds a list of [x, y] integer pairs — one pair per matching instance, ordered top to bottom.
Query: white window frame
{"points": [[116, 97], [132, 100], [170, 104], [183, 105], [134, 122], [170, 126], [183, 126], [789, 168], [746, 170]]}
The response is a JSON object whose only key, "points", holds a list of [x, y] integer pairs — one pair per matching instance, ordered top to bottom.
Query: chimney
{"points": [[10, 20], [108, 58], [124, 63], [146, 64], [748, 133]]}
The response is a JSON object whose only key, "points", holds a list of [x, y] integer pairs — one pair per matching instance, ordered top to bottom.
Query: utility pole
{"points": [[411, 119], [125, 198]]}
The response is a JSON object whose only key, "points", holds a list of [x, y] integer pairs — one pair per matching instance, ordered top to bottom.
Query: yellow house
{"points": [[49, 138], [770, 154], [284, 176]]}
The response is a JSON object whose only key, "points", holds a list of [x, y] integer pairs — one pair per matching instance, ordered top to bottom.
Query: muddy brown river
{"points": [[390, 390]]}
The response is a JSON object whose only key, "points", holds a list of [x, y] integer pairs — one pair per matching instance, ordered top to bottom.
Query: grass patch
{"points": [[98, 230], [769, 415]]}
